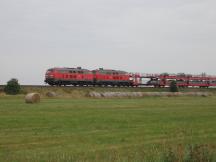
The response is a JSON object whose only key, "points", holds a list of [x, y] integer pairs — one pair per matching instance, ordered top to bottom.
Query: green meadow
{"points": [[143, 129]]}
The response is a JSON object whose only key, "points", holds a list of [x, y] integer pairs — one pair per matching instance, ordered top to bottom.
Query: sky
{"points": [[147, 36]]}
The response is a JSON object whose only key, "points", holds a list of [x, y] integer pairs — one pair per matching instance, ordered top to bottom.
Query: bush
{"points": [[12, 87], [173, 87]]}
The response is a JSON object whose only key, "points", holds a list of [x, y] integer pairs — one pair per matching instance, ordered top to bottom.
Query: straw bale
{"points": [[51, 94], [95, 94], [108, 94], [121, 94], [137, 94], [144, 94], [152, 94], [171, 94], [203, 94], [32, 98]]}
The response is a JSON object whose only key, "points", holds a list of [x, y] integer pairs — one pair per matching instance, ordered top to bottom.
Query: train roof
{"points": [[68, 69], [111, 71]]}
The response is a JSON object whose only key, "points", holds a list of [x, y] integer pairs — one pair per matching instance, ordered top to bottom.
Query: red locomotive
{"points": [[68, 76], [100, 77]]}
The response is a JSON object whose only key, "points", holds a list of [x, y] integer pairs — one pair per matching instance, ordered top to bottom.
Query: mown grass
{"points": [[145, 129]]}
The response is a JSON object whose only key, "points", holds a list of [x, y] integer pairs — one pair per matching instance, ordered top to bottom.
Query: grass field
{"points": [[144, 129]]}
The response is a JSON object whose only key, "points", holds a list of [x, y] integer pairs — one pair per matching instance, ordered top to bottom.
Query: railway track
{"points": [[144, 87]]}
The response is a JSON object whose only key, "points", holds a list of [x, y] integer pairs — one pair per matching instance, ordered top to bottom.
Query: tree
{"points": [[173, 86], [12, 87]]}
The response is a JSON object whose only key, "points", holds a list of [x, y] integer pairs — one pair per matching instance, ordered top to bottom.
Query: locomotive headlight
{"points": [[49, 76], [131, 78]]}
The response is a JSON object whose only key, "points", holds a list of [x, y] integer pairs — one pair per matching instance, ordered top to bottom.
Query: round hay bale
{"points": [[51, 94], [32, 98]]}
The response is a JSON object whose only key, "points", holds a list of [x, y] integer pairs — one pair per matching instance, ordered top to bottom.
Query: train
{"points": [[109, 77]]}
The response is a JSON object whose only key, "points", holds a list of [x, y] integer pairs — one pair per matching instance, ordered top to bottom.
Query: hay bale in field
{"points": [[51, 94], [95, 94], [108, 94], [121, 94], [137, 94], [145, 94], [152, 94], [170, 94], [179, 94], [199, 94], [203, 94], [32, 98]]}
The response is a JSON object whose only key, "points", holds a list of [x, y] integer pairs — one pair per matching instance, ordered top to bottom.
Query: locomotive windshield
{"points": [[50, 70]]}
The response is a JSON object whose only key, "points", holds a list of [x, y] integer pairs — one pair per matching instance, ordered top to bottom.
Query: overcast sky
{"points": [[149, 36]]}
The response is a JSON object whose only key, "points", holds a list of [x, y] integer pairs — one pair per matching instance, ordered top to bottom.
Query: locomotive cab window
{"points": [[50, 70], [80, 72]]}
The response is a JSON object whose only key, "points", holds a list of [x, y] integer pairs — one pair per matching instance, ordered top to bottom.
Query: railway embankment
{"points": [[109, 92]]}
